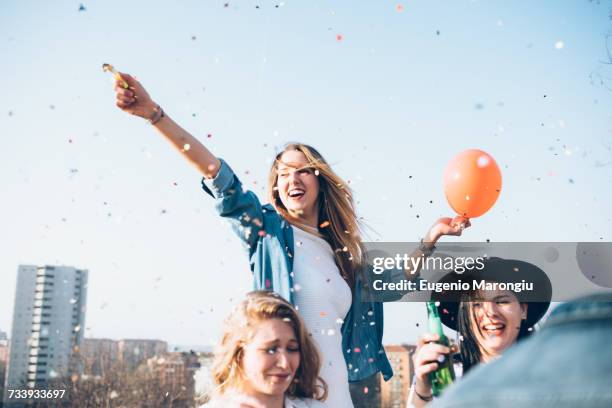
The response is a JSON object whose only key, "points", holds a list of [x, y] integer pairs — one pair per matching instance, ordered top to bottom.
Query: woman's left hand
{"points": [[447, 226]]}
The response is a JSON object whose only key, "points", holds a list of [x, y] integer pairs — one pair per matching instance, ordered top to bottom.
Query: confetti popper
{"points": [[111, 69]]}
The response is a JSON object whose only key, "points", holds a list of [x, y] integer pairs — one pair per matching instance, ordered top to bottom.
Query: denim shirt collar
{"points": [[269, 241]]}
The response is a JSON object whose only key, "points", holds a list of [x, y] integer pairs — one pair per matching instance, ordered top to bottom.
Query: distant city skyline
{"points": [[388, 94]]}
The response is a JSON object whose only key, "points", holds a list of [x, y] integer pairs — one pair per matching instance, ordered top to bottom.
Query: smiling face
{"points": [[298, 185], [496, 321], [271, 359]]}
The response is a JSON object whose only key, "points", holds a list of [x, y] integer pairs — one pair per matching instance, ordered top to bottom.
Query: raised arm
{"points": [[136, 101], [239, 206], [443, 226]]}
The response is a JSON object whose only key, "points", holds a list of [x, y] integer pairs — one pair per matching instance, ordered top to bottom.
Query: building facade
{"points": [[48, 324], [134, 352], [98, 356], [175, 372], [394, 393]]}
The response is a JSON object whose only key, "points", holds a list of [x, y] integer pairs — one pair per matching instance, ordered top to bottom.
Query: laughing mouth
{"points": [[296, 193], [493, 329]]}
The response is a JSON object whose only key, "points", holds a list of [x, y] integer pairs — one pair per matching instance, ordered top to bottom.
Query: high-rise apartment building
{"points": [[48, 323]]}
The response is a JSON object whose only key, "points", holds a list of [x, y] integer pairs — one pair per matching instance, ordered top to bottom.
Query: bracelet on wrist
{"points": [[158, 114], [426, 248], [425, 398]]}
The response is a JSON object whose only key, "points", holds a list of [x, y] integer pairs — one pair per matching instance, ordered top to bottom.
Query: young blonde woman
{"points": [[305, 245], [488, 321], [266, 358]]}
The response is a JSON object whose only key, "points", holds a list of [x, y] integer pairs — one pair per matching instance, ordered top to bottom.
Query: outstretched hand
{"points": [[135, 99], [447, 226]]}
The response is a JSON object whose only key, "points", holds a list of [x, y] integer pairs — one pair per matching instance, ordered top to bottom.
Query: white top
{"points": [[323, 299], [234, 400], [303, 403]]}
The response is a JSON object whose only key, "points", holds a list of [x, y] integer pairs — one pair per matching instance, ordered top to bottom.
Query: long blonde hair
{"points": [[338, 223], [259, 306]]}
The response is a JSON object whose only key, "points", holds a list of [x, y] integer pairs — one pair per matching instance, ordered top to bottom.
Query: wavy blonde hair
{"points": [[338, 223], [240, 326]]}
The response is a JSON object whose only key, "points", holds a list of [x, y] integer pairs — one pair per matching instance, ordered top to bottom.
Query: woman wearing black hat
{"points": [[488, 321]]}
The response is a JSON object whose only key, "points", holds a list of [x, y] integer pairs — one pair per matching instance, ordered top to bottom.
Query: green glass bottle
{"points": [[445, 374]]}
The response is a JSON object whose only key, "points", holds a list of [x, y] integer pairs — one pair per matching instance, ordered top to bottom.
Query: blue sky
{"points": [[389, 104]]}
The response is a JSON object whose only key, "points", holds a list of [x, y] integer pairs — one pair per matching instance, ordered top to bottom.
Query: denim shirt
{"points": [[270, 245], [566, 364]]}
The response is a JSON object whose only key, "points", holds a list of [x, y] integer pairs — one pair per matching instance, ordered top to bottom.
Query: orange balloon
{"points": [[472, 183]]}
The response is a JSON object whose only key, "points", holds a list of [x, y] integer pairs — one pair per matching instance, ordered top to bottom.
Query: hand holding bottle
{"points": [[427, 359]]}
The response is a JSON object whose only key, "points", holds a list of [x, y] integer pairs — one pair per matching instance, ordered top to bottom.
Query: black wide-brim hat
{"points": [[498, 270]]}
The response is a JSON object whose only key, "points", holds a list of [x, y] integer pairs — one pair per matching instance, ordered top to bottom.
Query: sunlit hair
{"points": [[338, 223], [239, 328], [469, 347]]}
